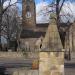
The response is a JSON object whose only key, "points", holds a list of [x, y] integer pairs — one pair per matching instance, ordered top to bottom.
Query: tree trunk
{"points": [[57, 11], [0, 23], [0, 31]]}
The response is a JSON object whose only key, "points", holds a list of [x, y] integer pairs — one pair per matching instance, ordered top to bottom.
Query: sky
{"points": [[38, 1], [6, 3], [42, 8], [68, 9], [39, 15]]}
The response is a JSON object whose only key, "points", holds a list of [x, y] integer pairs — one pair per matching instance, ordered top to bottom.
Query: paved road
{"points": [[16, 63], [70, 65], [7, 66], [70, 69]]}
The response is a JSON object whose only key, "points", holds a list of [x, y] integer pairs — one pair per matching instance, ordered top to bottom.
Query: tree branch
{"points": [[61, 6], [8, 7]]}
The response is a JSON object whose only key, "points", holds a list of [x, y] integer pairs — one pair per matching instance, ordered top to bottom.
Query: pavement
{"points": [[15, 63], [70, 65], [8, 66]]}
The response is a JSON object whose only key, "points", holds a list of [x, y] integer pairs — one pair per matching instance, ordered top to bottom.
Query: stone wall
{"points": [[11, 55], [29, 55], [51, 63], [25, 72]]}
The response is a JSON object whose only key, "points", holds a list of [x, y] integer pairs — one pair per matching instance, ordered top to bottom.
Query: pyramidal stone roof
{"points": [[52, 41]]}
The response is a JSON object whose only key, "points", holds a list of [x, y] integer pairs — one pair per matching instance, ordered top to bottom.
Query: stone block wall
{"points": [[11, 55], [51, 63], [25, 72]]}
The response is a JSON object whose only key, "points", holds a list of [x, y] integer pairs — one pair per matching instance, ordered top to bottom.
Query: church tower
{"points": [[28, 13]]}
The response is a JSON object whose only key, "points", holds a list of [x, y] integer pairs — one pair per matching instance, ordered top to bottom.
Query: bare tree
{"points": [[58, 4], [58, 9], [2, 11], [10, 24]]}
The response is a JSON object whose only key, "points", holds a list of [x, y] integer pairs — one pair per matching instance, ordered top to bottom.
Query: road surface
{"points": [[16, 63], [70, 65]]}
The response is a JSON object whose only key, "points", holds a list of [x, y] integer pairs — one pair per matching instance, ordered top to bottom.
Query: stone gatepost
{"points": [[51, 56], [51, 64]]}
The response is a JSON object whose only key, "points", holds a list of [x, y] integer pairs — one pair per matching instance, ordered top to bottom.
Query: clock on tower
{"points": [[28, 13]]}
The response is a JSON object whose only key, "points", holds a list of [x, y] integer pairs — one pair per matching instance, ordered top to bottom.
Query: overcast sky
{"points": [[6, 3]]}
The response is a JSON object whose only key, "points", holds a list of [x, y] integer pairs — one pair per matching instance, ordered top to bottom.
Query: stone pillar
{"points": [[73, 36], [52, 38], [70, 38], [67, 41], [51, 57], [51, 64]]}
